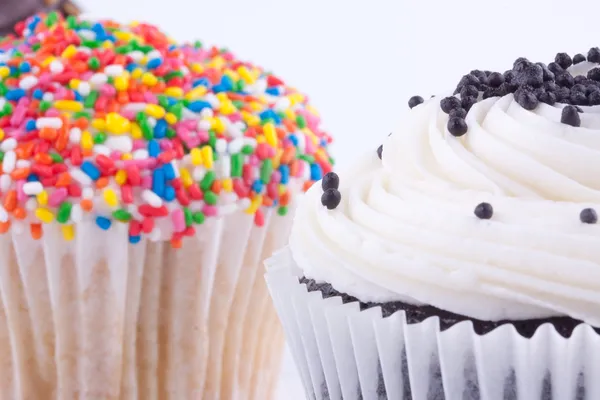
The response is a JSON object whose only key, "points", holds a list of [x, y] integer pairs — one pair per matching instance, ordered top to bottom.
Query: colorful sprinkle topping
{"points": [[121, 124]]}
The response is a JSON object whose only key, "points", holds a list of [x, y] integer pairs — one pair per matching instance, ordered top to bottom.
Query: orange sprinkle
{"points": [[123, 98], [81, 123], [48, 133], [24, 150], [288, 155], [43, 158], [293, 167], [20, 173], [63, 180], [102, 182], [307, 185], [216, 186], [284, 199], [10, 201], [267, 201], [86, 205], [20, 213], [4, 226], [36, 231], [176, 243]]}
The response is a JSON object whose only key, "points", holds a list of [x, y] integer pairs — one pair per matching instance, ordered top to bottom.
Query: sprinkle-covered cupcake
{"points": [[142, 184], [460, 259]]}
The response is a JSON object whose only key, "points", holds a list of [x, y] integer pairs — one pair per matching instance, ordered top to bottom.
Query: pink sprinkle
{"points": [[108, 90], [60, 93], [150, 98], [53, 112], [19, 113], [129, 114], [235, 117], [189, 124], [202, 135], [139, 144], [164, 145], [308, 146], [115, 155], [253, 160], [300, 168], [276, 176], [146, 181], [21, 196], [57, 197], [210, 211], [178, 220]]}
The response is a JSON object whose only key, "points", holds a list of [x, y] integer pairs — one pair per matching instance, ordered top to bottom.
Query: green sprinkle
{"points": [[51, 19], [71, 22], [92, 44], [198, 44], [36, 46], [124, 49], [145, 49], [94, 63], [173, 74], [3, 89], [90, 100], [163, 101], [237, 103], [45, 106], [8, 109], [177, 110], [82, 114], [300, 121], [145, 126], [170, 133], [100, 138], [212, 139], [247, 149], [1, 155], [56, 158], [308, 158], [237, 164], [266, 170], [207, 181], [210, 198], [283, 210], [64, 212], [122, 215], [199, 217], [189, 219]]}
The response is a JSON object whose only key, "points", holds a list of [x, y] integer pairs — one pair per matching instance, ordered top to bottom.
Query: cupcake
{"points": [[142, 185], [459, 260]]}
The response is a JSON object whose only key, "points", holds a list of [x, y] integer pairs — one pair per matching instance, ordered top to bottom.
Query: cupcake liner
{"points": [[98, 318], [345, 353]]}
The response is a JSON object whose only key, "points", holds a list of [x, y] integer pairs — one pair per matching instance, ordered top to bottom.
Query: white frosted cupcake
{"points": [[142, 185], [460, 260]]}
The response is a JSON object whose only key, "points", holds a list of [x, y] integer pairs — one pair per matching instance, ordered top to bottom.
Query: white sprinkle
{"points": [[86, 34], [85, 50], [154, 54], [136, 55], [56, 67], [35, 70], [114, 70], [98, 79], [28, 82], [84, 88], [48, 96], [212, 100], [282, 104], [135, 107], [206, 113], [151, 121], [225, 121], [48, 122], [203, 125], [234, 131], [75, 135], [248, 141], [301, 141], [8, 144], [124, 144], [221, 146], [235, 146], [101, 149], [140, 154], [9, 162], [23, 164], [225, 166], [175, 168], [306, 171], [198, 173], [80, 176], [5, 182], [32, 188], [87, 193], [152, 198], [244, 203], [31, 204], [133, 209], [76, 213], [3, 214], [155, 235]]}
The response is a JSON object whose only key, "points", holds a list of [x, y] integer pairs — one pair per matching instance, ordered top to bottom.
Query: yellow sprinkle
{"points": [[122, 35], [107, 44], [69, 52], [144, 60], [48, 61], [217, 63], [197, 68], [4, 72], [137, 73], [232, 74], [245, 75], [149, 79], [74, 83], [121, 83], [174, 91], [196, 93], [222, 96], [295, 98], [68, 105], [255, 106], [227, 108], [312, 110], [155, 111], [290, 114], [170, 118], [250, 119], [98, 124], [117, 124], [218, 125], [136, 131], [1, 134], [270, 134], [261, 139], [87, 141], [196, 155], [127, 156], [207, 157], [277, 158], [121, 177], [186, 177], [227, 184], [282, 189], [110, 197], [42, 198], [256, 202], [44, 215], [68, 232]]}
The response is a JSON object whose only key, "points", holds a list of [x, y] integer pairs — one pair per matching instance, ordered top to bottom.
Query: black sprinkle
{"points": [[594, 55], [578, 58], [564, 60], [520, 64], [555, 68], [594, 74], [532, 75], [495, 79], [564, 79], [469, 91], [548, 98], [579, 98], [594, 98], [526, 99], [415, 101], [449, 103], [458, 112], [570, 116], [457, 126], [380, 151], [331, 180], [331, 198], [484, 211], [588, 216]]}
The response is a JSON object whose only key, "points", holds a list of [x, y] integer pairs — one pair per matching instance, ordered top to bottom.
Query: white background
{"points": [[360, 60]]}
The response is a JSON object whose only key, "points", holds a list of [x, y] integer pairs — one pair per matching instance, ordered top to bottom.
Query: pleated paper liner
{"points": [[98, 318], [345, 353]]}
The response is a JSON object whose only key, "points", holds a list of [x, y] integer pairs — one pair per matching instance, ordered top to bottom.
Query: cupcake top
{"points": [[121, 125], [483, 203]]}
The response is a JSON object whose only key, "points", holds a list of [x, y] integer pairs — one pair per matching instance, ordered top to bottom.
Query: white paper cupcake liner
{"points": [[98, 318], [344, 353]]}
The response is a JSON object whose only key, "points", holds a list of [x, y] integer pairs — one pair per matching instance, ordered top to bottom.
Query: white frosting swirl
{"points": [[405, 229]]}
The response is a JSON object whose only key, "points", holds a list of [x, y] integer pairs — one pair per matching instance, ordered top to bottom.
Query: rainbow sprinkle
{"points": [[121, 124]]}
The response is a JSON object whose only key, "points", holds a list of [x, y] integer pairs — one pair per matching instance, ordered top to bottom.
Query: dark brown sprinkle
{"points": [[594, 55], [578, 58], [546, 73], [580, 79], [415, 101], [450, 103], [570, 116], [457, 126], [380, 151], [331, 180], [331, 198], [484, 211], [588, 216]]}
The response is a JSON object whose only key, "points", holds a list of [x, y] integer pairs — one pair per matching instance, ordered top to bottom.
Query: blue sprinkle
{"points": [[98, 29], [172, 47], [154, 63], [25, 67], [131, 67], [13, 70], [201, 82], [227, 83], [219, 88], [273, 91], [15, 94], [38, 94], [77, 96], [171, 101], [197, 106], [270, 114], [30, 125], [160, 129], [293, 139], [323, 143], [153, 148], [90, 170], [284, 170], [169, 171], [316, 172], [32, 178], [158, 182], [257, 186], [169, 193], [103, 222], [134, 239]]}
